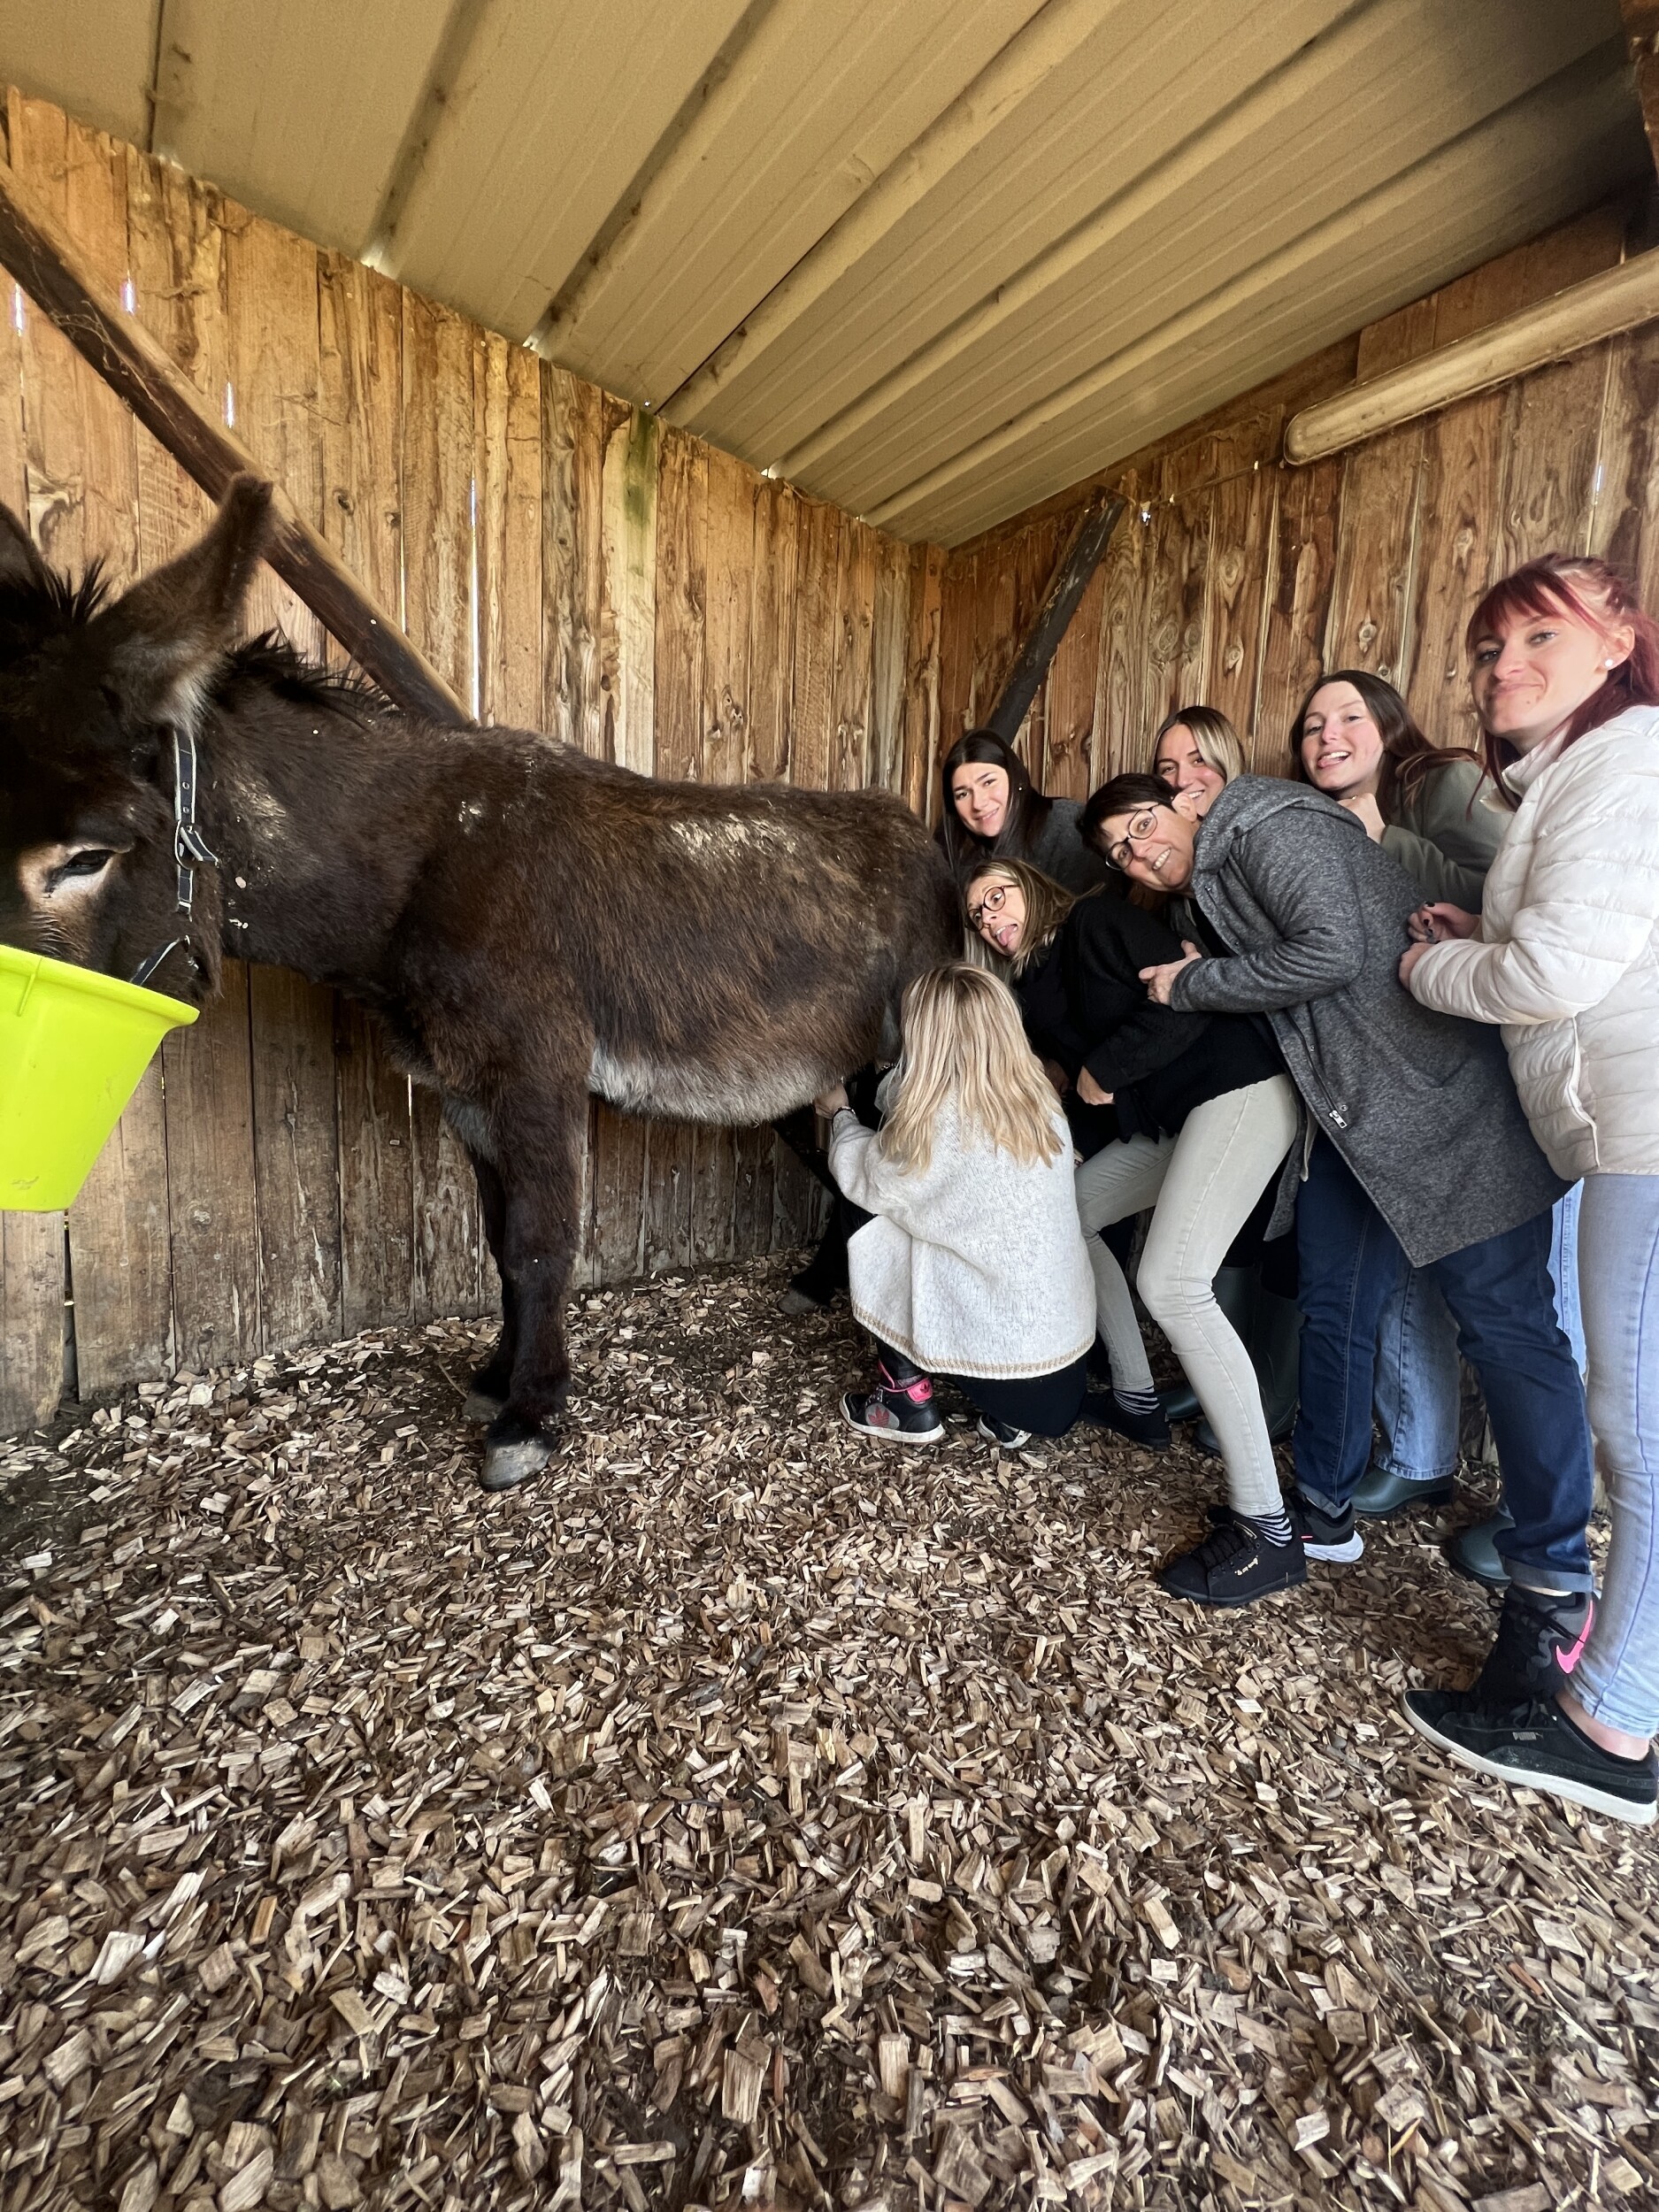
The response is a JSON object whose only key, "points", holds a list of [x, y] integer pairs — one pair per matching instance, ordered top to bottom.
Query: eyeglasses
{"points": [[1142, 829], [991, 903]]}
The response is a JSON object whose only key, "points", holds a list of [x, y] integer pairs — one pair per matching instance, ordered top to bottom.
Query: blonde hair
{"points": [[1214, 735], [1046, 905], [963, 1043]]}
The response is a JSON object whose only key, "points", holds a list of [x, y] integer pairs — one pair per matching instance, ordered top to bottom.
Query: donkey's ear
{"points": [[22, 566], [166, 638]]}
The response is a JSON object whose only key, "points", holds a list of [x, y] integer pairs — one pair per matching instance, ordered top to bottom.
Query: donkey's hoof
{"points": [[481, 1406], [507, 1465]]}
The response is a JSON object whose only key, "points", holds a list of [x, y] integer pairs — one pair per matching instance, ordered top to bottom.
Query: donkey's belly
{"points": [[687, 1090]]}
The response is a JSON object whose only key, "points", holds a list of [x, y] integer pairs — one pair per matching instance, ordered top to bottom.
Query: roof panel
{"points": [[92, 57], [827, 95], [295, 106], [557, 108], [1261, 158], [1276, 190], [1463, 209]]}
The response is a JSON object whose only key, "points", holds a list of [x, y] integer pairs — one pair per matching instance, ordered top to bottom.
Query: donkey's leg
{"points": [[541, 1178], [493, 1379]]}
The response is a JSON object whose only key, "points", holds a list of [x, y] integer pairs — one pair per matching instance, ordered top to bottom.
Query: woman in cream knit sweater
{"points": [[970, 1261]]}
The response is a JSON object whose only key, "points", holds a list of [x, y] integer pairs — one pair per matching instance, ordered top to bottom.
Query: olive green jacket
{"points": [[1445, 833]]}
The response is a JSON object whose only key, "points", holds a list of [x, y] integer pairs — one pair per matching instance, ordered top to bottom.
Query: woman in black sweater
{"points": [[993, 811], [1205, 1116]]}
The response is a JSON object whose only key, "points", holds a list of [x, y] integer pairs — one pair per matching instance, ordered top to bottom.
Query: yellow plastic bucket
{"points": [[73, 1046]]}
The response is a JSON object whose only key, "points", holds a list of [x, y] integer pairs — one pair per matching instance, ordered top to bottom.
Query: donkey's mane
{"points": [[55, 604], [50, 606], [271, 662]]}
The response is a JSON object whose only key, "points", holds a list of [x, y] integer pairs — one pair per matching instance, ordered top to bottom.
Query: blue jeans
{"points": [[1501, 1297], [1419, 1386], [1617, 1678]]}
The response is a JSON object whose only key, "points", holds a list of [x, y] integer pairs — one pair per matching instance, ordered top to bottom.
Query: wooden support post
{"points": [[1641, 33], [50, 271], [1066, 587]]}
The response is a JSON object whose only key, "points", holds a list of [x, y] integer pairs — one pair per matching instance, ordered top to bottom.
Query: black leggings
{"points": [[1046, 1405]]}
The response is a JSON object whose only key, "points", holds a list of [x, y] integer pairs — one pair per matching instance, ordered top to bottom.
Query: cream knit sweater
{"points": [[973, 1267]]}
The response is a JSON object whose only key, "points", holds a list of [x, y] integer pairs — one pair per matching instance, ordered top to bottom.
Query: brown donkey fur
{"points": [[529, 924]]}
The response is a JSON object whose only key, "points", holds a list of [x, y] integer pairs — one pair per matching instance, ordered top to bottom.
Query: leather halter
{"points": [[190, 849]]}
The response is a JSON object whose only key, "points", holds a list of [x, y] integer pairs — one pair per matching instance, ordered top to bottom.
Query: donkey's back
{"points": [[732, 949]]}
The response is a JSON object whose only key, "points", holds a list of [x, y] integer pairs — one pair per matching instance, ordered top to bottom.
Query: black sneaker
{"points": [[896, 1415], [1150, 1430], [1003, 1432], [1326, 1535], [1234, 1565], [1539, 1640], [1537, 1747]]}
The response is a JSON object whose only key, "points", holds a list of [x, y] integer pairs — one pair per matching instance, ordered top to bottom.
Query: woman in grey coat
{"points": [[1416, 1152]]}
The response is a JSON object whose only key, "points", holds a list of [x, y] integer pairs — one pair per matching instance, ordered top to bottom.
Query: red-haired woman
{"points": [[1565, 956]]}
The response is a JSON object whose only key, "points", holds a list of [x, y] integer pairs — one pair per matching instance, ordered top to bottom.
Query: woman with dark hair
{"points": [[1432, 807], [991, 811], [1435, 812], [1564, 958], [1416, 1153]]}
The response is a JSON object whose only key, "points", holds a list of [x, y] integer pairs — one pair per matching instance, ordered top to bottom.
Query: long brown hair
{"points": [[1575, 583], [1408, 757], [1027, 807], [1046, 905], [964, 1044]]}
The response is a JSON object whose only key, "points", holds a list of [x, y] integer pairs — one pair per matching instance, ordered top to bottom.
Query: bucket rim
{"points": [[134, 996]]}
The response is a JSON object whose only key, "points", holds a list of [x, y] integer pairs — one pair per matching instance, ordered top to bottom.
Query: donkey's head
{"points": [[92, 693]]}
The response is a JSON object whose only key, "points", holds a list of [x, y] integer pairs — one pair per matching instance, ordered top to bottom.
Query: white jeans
{"points": [[1202, 1186]]}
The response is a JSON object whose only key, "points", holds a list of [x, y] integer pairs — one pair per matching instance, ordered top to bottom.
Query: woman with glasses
{"points": [[1205, 1115], [1418, 1153]]}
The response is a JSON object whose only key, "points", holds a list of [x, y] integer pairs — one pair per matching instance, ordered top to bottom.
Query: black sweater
{"points": [[1085, 1006]]}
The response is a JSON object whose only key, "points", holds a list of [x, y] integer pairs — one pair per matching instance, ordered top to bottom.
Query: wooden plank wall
{"points": [[571, 567], [1235, 580]]}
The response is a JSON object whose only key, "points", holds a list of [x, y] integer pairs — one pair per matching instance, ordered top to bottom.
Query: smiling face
{"points": [[1534, 675], [1341, 745], [1183, 767], [978, 791], [1153, 845], [996, 911]]}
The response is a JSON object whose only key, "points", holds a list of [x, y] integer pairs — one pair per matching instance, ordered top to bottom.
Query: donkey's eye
{"points": [[91, 860]]}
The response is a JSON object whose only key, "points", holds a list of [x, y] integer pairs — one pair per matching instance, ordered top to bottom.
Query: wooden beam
{"points": [[1641, 34], [1583, 315], [130, 361], [1066, 587]]}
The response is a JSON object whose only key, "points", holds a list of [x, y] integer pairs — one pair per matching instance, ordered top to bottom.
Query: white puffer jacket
{"points": [[1567, 957]]}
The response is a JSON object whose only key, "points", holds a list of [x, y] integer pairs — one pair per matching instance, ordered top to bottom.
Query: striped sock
{"points": [[1136, 1401], [1275, 1526]]}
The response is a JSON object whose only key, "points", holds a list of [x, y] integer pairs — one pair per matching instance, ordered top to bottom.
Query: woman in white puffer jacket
{"points": [[1565, 957]]}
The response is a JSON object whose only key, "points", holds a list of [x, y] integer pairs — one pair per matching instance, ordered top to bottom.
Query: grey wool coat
{"points": [[1421, 1106]]}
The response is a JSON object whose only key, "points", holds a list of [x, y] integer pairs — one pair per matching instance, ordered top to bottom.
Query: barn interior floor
{"points": [[746, 1814]]}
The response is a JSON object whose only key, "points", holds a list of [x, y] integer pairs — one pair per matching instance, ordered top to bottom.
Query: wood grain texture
{"points": [[274, 366], [440, 610]]}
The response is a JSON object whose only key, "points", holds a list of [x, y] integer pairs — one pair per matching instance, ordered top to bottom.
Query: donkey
{"points": [[529, 924]]}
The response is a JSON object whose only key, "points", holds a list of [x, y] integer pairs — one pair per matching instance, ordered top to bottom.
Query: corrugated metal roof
{"points": [[933, 259]]}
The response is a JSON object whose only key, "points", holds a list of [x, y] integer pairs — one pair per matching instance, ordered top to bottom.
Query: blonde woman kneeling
{"points": [[969, 1262]]}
